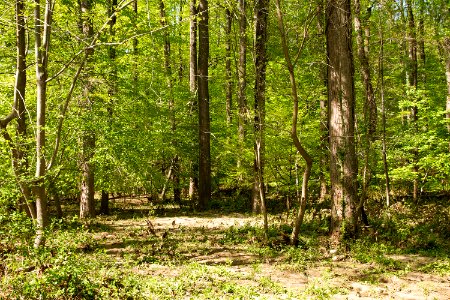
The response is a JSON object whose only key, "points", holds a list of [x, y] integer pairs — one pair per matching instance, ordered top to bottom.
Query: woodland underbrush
{"points": [[140, 252]]}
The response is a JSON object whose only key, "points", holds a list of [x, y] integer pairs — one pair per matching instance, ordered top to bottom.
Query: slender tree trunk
{"points": [[261, 23], [421, 40], [42, 43], [135, 47], [446, 50], [168, 68], [228, 80], [242, 80], [412, 81], [112, 90], [341, 105], [370, 106], [383, 116], [305, 155], [19, 158], [324, 159], [193, 180], [204, 184], [87, 203]]}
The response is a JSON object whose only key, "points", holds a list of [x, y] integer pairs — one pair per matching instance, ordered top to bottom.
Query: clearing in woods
{"points": [[142, 251], [191, 256]]}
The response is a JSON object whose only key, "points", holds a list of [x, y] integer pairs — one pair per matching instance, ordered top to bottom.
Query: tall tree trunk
{"points": [[261, 21], [421, 40], [42, 43], [135, 47], [446, 49], [168, 68], [228, 80], [242, 80], [412, 82], [112, 90], [341, 106], [370, 106], [383, 115], [204, 132], [18, 154], [305, 155], [324, 159], [20, 161], [193, 179], [87, 203]]}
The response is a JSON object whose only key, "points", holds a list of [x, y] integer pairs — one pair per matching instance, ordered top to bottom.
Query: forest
{"points": [[249, 149]]}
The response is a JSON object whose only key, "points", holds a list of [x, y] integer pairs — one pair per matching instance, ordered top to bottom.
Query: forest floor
{"points": [[142, 251], [220, 254]]}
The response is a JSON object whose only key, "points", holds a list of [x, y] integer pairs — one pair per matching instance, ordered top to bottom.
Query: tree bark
{"points": [[261, 22], [42, 43], [135, 47], [446, 50], [169, 77], [228, 80], [242, 80], [412, 82], [112, 90], [341, 106], [370, 106], [383, 116], [204, 131], [18, 151], [305, 155], [324, 157], [193, 179], [87, 203]]}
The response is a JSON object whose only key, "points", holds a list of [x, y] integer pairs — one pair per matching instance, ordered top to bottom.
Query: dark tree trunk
{"points": [[261, 20], [135, 47], [169, 77], [228, 80], [242, 80], [412, 82], [112, 90], [370, 106], [341, 107], [383, 115], [204, 132], [324, 157], [193, 179], [87, 203], [104, 203]]}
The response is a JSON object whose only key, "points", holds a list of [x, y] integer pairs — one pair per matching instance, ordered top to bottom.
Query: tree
{"points": [[261, 23], [42, 44], [228, 77], [242, 78], [411, 78], [193, 85], [112, 89], [370, 106], [341, 118], [204, 126], [18, 153], [305, 155], [174, 166], [87, 204]]}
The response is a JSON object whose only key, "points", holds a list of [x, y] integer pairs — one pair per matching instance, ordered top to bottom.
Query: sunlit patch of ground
{"points": [[168, 246]]}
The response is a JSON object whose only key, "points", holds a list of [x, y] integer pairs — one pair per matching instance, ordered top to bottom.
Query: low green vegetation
{"points": [[144, 255]]}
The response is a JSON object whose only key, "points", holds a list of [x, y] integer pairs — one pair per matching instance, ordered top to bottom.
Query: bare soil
{"points": [[350, 278]]}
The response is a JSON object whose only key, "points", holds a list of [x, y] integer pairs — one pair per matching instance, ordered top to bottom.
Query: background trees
{"points": [[135, 146]]}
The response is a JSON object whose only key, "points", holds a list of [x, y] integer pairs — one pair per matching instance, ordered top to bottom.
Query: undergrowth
{"points": [[78, 263]]}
